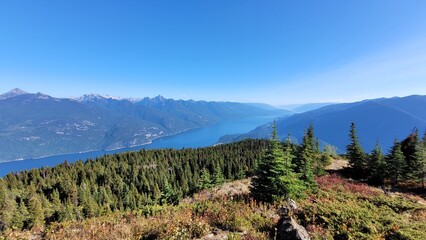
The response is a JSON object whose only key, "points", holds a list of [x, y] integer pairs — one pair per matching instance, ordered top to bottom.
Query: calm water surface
{"points": [[201, 137]]}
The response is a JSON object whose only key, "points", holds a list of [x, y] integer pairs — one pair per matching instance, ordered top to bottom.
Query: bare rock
{"points": [[289, 229]]}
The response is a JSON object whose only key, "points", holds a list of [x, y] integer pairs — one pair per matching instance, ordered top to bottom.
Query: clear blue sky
{"points": [[277, 52]]}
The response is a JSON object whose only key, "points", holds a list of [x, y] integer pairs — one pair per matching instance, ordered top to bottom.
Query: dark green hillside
{"points": [[119, 182]]}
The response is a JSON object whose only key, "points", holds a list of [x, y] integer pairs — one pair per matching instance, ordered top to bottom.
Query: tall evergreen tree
{"points": [[411, 147], [355, 154], [422, 156], [306, 157], [395, 163], [376, 165], [218, 177], [275, 178], [205, 181], [292, 185], [168, 195], [7, 207], [35, 209], [20, 216]]}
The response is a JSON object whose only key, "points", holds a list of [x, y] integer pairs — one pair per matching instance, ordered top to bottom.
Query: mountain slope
{"points": [[12, 93], [301, 108], [178, 115], [377, 119], [35, 125]]}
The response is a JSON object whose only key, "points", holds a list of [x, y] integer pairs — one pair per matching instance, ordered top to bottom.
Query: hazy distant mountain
{"points": [[12, 93], [269, 107], [300, 108], [178, 115], [378, 119], [35, 125]]}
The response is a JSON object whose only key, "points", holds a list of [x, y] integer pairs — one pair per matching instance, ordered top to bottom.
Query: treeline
{"points": [[406, 160], [287, 170], [132, 180], [120, 182]]}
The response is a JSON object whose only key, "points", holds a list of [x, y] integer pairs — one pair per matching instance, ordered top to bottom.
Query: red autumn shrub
{"points": [[336, 183]]}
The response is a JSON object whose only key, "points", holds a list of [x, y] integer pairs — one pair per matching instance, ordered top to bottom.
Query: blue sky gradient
{"points": [[277, 52]]}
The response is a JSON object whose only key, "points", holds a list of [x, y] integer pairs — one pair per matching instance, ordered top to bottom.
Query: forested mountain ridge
{"points": [[178, 115], [383, 119], [36, 125], [119, 182], [143, 191]]}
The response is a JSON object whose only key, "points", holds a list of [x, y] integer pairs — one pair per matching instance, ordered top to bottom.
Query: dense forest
{"points": [[405, 160], [133, 180], [120, 182]]}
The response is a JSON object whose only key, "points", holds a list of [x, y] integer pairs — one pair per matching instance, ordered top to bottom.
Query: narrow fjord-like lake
{"points": [[194, 138]]}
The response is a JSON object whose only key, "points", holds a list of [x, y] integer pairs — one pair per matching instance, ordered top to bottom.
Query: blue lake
{"points": [[200, 137]]}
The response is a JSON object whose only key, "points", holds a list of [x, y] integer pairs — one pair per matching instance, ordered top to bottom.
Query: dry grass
{"points": [[338, 164]]}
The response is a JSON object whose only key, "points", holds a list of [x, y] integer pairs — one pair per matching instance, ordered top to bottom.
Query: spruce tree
{"points": [[310, 134], [411, 147], [355, 154], [307, 155], [422, 157], [395, 163], [376, 165], [218, 177], [275, 178], [205, 181], [293, 186], [168, 195], [7, 207], [35, 209], [20, 216]]}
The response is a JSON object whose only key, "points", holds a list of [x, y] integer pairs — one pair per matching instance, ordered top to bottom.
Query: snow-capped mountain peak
{"points": [[12, 93], [96, 97]]}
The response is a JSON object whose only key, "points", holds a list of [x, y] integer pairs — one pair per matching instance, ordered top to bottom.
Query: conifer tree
{"points": [[311, 140], [411, 147], [355, 154], [307, 155], [422, 156], [321, 162], [395, 163], [376, 165], [218, 177], [275, 178], [205, 181], [118, 182], [293, 186], [168, 195], [7, 206], [35, 209], [67, 212], [20, 215]]}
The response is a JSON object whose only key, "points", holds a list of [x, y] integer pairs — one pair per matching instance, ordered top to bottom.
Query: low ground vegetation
{"points": [[173, 194], [341, 209]]}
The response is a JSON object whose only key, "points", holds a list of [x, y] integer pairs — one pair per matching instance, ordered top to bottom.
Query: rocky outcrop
{"points": [[288, 228]]}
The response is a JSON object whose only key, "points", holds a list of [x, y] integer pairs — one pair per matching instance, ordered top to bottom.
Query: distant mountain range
{"points": [[301, 108], [382, 119], [35, 125]]}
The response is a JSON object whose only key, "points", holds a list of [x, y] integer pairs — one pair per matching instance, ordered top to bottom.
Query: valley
{"points": [[37, 125], [194, 138]]}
